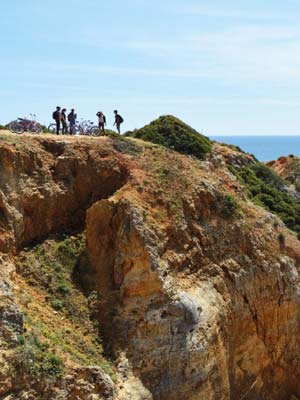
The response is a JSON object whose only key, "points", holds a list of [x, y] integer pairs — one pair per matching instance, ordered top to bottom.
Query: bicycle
{"points": [[22, 125], [84, 128], [87, 128], [76, 130]]}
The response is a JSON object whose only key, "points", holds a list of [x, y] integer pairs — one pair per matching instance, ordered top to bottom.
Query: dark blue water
{"points": [[265, 148]]}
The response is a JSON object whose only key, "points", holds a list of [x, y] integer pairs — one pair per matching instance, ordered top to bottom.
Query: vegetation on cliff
{"points": [[170, 132], [288, 168], [268, 190], [173, 252], [47, 272], [35, 360]]}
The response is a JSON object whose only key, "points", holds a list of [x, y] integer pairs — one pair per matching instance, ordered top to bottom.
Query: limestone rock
{"points": [[200, 305], [89, 383]]}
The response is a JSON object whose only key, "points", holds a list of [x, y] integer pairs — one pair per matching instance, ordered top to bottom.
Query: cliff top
{"points": [[131, 247]]}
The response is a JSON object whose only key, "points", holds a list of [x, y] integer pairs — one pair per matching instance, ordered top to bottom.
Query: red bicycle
{"points": [[22, 125]]}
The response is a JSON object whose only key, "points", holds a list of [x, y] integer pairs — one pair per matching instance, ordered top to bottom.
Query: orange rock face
{"points": [[47, 185], [198, 301], [205, 306]]}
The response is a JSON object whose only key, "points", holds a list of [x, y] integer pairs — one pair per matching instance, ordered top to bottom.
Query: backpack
{"points": [[54, 115], [70, 117], [121, 120]]}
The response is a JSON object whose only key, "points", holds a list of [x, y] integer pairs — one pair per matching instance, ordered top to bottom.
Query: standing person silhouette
{"points": [[57, 118], [72, 119], [101, 120], [118, 121], [64, 122]]}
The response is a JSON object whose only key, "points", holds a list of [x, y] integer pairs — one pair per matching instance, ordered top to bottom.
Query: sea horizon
{"points": [[255, 134], [264, 147]]}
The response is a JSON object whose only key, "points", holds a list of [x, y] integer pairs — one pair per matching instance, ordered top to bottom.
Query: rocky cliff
{"points": [[288, 168], [130, 271]]}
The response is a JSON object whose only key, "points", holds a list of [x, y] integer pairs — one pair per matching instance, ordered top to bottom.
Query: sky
{"points": [[226, 67]]}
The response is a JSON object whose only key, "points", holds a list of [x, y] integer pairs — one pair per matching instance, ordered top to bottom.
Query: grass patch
{"points": [[7, 138], [122, 144], [49, 267], [84, 349], [36, 362]]}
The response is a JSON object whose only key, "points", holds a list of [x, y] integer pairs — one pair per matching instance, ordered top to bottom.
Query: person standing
{"points": [[57, 118], [72, 119], [101, 121], [118, 121], [64, 122]]}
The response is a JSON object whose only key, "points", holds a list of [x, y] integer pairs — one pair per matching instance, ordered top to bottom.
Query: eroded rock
{"points": [[200, 305]]}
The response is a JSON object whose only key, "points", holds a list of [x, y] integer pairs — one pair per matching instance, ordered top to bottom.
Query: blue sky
{"points": [[225, 67]]}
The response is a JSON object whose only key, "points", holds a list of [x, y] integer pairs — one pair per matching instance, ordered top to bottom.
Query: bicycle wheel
{"points": [[16, 127], [36, 128], [52, 128], [78, 130], [96, 131]]}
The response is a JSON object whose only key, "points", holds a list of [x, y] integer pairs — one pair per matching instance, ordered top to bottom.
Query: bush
{"points": [[45, 129], [172, 133], [268, 176], [266, 189], [229, 206], [63, 287], [57, 304], [33, 359]]}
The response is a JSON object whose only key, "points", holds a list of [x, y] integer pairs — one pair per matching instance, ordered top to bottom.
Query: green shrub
{"points": [[45, 129], [172, 133], [164, 172], [268, 176], [297, 185], [266, 189], [229, 206], [63, 287], [57, 304], [34, 359]]}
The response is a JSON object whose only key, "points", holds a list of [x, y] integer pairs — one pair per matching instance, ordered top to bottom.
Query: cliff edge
{"points": [[130, 271]]}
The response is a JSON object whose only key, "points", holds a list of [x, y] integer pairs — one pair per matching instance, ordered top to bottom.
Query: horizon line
{"points": [[253, 134]]}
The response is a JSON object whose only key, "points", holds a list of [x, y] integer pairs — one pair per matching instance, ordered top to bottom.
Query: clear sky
{"points": [[225, 67]]}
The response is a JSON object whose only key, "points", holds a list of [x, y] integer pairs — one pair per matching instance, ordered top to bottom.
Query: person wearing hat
{"points": [[56, 115], [101, 120]]}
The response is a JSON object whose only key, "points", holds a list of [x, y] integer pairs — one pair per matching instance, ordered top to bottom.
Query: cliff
{"points": [[288, 168], [130, 271]]}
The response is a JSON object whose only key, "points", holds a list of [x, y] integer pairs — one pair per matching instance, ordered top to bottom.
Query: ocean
{"points": [[265, 148]]}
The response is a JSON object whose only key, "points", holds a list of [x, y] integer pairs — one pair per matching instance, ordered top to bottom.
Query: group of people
{"points": [[60, 116]]}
